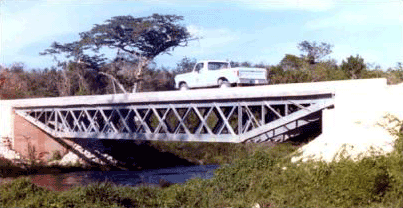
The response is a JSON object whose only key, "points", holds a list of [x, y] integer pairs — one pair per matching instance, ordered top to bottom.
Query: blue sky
{"points": [[260, 31]]}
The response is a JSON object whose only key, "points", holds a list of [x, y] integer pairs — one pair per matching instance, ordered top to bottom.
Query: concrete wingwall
{"points": [[356, 101], [364, 104], [358, 125], [33, 143]]}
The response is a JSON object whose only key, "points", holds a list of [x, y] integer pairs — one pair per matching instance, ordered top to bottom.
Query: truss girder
{"points": [[210, 121]]}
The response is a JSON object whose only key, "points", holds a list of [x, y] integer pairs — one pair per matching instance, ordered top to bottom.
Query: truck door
{"points": [[214, 70], [206, 76], [198, 81]]}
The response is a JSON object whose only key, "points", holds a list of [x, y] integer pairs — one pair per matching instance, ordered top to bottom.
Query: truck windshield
{"points": [[217, 65]]}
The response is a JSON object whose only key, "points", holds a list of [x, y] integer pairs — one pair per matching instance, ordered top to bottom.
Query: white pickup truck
{"points": [[213, 73]]}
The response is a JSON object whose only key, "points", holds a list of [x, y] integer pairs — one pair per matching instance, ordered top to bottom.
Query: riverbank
{"points": [[166, 154], [266, 178], [21, 192]]}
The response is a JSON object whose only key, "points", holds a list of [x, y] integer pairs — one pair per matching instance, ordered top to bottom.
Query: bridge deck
{"points": [[283, 91]]}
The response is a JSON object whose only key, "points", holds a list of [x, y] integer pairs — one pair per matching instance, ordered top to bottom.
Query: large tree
{"points": [[137, 40], [313, 51]]}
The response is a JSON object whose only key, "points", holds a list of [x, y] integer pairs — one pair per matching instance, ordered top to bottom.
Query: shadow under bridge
{"points": [[227, 115]]}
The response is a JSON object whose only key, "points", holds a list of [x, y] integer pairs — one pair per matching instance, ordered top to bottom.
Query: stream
{"points": [[179, 174]]}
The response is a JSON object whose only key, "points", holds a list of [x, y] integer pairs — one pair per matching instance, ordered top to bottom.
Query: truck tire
{"points": [[222, 83], [183, 86]]}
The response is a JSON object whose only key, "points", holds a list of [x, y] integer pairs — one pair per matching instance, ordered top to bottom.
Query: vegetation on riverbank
{"points": [[17, 168], [265, 177]]}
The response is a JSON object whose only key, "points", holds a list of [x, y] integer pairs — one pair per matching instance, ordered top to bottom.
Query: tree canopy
{"points": [[141, 38], [314, 51]]}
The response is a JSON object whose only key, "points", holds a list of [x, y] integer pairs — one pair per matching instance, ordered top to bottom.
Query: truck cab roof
{"points": [[213, 61]]}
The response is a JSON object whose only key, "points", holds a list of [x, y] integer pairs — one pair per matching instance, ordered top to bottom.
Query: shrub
{"points": [[22, 193]]}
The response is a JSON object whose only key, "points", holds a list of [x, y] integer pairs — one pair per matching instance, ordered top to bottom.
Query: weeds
{"points": [[56, 155]]}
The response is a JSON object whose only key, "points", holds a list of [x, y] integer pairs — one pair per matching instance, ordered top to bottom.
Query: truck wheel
{"points": [[222, 83], [183, 86]]}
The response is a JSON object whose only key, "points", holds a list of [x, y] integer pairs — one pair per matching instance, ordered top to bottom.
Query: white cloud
{"points": [[306, 5], [309, 5], [362, 14], [27, 23], [36, 23], [211, 39], [370, 55]]}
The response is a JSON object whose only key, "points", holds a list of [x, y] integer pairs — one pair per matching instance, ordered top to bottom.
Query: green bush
{"points": [[22, 193]]}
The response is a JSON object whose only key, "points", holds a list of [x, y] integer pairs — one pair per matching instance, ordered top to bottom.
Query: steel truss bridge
{"points": [[248, 114]]}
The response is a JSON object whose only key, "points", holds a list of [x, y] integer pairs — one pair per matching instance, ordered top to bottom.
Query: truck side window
{"points": [[217, 65], [199, 66]]}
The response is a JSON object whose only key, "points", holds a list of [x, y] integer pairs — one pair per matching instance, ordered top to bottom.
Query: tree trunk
{"points": [[143, 62]]}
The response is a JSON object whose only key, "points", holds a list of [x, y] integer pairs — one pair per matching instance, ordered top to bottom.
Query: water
{"points": [[65, 181]]}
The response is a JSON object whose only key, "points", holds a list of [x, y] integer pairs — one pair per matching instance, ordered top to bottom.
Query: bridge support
{"points": [[244, 114]]}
